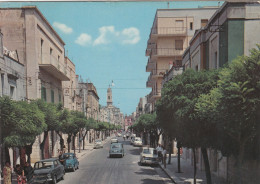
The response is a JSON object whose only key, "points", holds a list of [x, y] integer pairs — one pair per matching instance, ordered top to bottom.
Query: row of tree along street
{"points": [[217, 109], [21, 122]]}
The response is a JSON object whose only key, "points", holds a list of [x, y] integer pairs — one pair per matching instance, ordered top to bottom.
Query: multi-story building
{"points": [[232, 31], [170, 35], [41, 50], [12, 84], [69, 87], [92, 102], [140, 109]]}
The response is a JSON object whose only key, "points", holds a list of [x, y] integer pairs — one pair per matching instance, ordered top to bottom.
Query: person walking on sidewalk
{"points": [[159, 150], [164, 153], [7, 171]]}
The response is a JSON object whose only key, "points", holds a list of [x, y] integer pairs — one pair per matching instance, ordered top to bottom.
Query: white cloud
{"points": [[63, 27], [106, 34], [130, 35], [84, 39]]}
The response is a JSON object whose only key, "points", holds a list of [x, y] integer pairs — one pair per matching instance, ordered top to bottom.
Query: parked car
{"points": [[119, 134], [132, 138], [114, 140], [138, 141], [98, 144], [116, 149], [149, 156], [70, 161], [48, 170]]}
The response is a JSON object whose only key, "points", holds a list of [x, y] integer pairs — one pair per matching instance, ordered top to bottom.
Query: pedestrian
{"points": [[159, 150], [164, 153], [61, 158], [7, 171], [28, 171], [20, 174]]}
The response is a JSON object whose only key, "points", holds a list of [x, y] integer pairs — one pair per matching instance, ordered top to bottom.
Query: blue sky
{"points": [[107, 41]]}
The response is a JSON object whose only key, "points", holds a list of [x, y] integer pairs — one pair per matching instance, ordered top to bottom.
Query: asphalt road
{"points": [[98, 168]]}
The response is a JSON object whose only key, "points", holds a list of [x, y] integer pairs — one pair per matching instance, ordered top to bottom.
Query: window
{"points": [[204, 22], [191, 25], [179, 44], [41, 48], [50, 51], [216, 60], [197, 68], [2, 81], [11, 91], [43, 91], [52, 96], [59, 97]]}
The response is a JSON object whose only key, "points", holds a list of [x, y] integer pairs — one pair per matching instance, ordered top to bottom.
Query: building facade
{"points": [[232, 31], [170, 35], [41, 50], [70, 87]]}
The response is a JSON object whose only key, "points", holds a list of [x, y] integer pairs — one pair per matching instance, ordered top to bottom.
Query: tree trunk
{"points": [[61, 140], [69, 141], [73, 144], [42, 145], [28, 151], [170, 152], [240, 157], [179, 160], [206, 164], [194, 165]]}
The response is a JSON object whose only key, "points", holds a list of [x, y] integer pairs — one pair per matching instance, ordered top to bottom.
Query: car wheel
{"points": [[54, 181]]}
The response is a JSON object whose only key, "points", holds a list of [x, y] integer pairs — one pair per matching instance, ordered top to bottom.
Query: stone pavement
{"points": [[89, 147], [187, 171]]}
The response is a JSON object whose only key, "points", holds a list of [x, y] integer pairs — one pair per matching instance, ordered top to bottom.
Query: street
{"points": [[98, 168]]}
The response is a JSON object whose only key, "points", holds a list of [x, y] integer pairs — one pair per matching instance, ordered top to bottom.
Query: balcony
{"points": [[169, 31], [167, 52], [150, 65], [54, 67], [174, 71], [158, 73], [149, 82], [156, 93], [149, 98]]}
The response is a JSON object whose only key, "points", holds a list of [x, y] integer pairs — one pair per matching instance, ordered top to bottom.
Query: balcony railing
{"points": [[169, 30], [167, 52], [53, 65], [174, 71], [158, 72]]}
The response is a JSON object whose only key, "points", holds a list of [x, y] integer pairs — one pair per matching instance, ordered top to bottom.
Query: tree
{"points": [[178, 101], [235, 104], [51, 119], [26, 120]]}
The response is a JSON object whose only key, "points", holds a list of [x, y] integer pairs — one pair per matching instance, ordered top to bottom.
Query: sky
{"points": [[107, 41]]}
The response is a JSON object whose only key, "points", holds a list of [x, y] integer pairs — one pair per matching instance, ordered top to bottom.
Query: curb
{"points": [[167, 174]]}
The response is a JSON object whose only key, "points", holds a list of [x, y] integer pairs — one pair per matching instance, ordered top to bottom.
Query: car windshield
{"points": [[137, 139], [116, 146], [147, 151], [68, 156], [43, 165]]}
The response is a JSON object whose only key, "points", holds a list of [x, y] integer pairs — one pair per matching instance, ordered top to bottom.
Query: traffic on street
{"points": [[98, 167]]}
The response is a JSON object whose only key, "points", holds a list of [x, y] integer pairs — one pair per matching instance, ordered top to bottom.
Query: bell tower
{"points": [[109, 97]]}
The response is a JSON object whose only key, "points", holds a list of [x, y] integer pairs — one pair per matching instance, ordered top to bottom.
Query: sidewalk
{"points": [[186, 177]]}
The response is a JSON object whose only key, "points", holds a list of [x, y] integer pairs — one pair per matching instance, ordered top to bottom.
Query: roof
{"points": [[48, 160]]}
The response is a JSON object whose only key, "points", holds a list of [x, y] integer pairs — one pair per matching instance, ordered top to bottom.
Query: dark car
{"points": [[116, 149], [70, 161], [48, 171]]}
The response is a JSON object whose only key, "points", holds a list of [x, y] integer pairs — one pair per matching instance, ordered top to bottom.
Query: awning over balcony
{"points": [[51, 69]]}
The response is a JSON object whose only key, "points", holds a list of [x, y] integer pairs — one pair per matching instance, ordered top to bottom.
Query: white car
{"points": [[114, 140], [138, 141], [98, 144], [149, 156]]}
